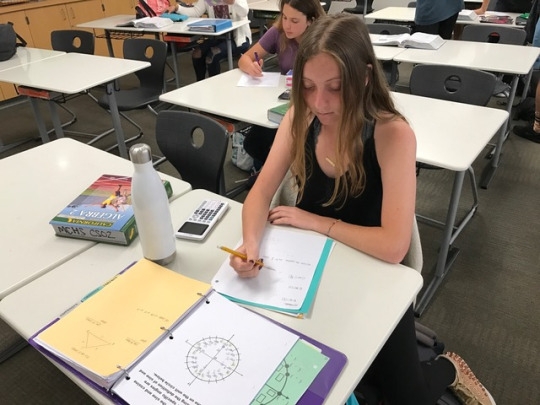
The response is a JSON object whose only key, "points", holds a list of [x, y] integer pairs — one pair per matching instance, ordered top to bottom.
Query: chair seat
{"points": [[358, 10]]}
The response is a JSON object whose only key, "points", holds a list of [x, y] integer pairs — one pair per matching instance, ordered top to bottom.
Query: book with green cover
{"points": [[275, 114], [102, 213]]}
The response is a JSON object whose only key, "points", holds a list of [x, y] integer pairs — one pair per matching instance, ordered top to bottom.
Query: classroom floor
{"points": [[486, 310]]}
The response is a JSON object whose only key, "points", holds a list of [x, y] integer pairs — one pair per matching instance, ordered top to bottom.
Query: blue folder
{"points": [[210, 25]]}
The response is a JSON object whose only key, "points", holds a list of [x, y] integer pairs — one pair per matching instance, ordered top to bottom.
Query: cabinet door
{"points": [[115, 7], [85, 11], [44, 20], [7, 90]]}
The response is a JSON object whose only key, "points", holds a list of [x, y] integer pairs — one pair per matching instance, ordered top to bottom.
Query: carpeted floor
{"points": [[487, 309]]}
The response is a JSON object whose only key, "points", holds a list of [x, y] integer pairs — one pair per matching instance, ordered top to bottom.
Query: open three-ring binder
{"points": [[152, 335]]}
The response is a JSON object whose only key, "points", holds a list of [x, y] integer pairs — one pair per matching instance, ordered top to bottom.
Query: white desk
{"points": [[406, 15], [109, 24], [25, 55], [515, 60], [72, 73], [442, 139], [451, 141], [36, 185], [373, 294]]}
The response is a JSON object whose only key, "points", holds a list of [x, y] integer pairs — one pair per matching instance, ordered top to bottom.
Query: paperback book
{"points": [[418, 40], [275, 114], [102, 213]]}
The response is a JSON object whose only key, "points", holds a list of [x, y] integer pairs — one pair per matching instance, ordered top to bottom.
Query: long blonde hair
{"points": [[345, 38]]}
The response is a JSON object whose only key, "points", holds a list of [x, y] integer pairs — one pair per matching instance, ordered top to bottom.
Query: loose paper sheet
{"points": [[268, 79], [293, 257]]}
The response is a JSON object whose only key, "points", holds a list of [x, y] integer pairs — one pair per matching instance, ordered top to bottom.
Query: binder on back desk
{"points": [[210, 25]]}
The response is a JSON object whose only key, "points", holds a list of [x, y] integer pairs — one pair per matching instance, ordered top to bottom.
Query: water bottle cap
{"points": [[140, 153]]}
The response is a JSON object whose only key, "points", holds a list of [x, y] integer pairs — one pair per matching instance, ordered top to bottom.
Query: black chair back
{"points": [[387, 29], [494, 34], [73, 41], [148, 50], [196, 146]]}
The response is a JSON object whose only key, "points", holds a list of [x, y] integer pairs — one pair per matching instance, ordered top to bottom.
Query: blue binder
{"points": [[210, 25]]}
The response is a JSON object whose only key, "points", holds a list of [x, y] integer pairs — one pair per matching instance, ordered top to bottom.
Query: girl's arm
{"points": [[248, 61]]}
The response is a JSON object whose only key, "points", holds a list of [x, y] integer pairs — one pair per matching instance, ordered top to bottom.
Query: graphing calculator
{"points": [[202, 220]]}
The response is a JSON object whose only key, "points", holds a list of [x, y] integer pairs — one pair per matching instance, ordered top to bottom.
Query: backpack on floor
{"points": [[429, 347]]}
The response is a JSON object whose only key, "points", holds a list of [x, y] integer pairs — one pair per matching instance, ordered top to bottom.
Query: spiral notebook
{"points": [[152, 333]]}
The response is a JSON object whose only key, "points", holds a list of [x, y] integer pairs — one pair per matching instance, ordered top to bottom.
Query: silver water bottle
{"points": [[151, 208]]}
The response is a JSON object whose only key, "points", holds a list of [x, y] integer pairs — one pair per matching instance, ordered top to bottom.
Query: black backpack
{"points": [[8, 41]]}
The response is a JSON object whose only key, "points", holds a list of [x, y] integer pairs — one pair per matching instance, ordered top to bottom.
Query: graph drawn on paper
{"points": [[212, 359], [293, 376]]}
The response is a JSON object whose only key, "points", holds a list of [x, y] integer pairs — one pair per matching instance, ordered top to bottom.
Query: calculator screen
{"points": [[193, 228]]}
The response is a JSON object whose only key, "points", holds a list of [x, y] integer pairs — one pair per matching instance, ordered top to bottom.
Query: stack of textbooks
{"points": [[102, 213]]}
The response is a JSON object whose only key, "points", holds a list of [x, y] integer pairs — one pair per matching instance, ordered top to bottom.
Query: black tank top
{"points": [[363, 210]]}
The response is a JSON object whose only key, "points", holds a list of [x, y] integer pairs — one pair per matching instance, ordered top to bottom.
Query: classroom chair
{"points": [[359, 9], [79, 41], [151, 80], [453, 83], [196, 145]]}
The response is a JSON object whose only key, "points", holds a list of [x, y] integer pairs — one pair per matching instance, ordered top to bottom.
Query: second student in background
{"points": [[282, 40]]}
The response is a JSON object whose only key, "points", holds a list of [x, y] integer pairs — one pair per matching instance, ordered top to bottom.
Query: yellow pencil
{"points": [[242, 256]]}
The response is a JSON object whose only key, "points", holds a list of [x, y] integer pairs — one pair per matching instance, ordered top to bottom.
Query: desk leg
{"points": [[109, 43], [229, 50], [175, 64], [55, 119], [39, 120], [122, 149], [489, 170], [447, 255]]}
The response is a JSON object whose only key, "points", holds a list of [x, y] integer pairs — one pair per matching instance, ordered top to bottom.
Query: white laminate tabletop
{"points": [[264, 5], [179, 27], [386, 52], [25, 55], [500, 58], [71, 72], [248, 104], [448, 134], [36, 185], [373, 295]]}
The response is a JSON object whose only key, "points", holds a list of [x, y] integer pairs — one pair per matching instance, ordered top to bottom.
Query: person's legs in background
{"points": [[443, 28], [218, 52], [532, 133]]}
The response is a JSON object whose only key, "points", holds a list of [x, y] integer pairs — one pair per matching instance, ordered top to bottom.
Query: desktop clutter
{"points": [[151, 333]]}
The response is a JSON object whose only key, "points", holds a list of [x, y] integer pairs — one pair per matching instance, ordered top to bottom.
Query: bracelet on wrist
{"points": [[331, 226]]}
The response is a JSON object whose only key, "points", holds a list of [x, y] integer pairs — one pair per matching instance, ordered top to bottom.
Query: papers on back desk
{"points": [[268, 79], [295, 261]]}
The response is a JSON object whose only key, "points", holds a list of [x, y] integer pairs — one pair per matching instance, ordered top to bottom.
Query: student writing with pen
{"points": [[282, 40], [353, 157]]}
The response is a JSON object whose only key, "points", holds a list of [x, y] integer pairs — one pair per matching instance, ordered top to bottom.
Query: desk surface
{"points": [[265, 5], [406, 14], [180, 27], [24, 56], [500, 58], [71, 72], [248, 104], [443, 140], [36, 185], [373, 294]]}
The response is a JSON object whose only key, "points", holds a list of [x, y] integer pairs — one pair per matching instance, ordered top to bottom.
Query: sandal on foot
{"points": [[466, 386]]}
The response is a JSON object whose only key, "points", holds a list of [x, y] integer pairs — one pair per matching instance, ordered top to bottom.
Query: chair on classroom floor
{"points": [[359, 8], [151, 80], [453, 83], [196, 145]]}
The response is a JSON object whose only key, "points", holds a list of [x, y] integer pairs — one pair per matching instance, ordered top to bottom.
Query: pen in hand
{"points": [[257, 59], [243, 256]]}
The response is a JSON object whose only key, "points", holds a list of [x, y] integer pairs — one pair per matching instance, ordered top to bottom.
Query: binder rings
{"points": [[210, 25], [176, 365]]}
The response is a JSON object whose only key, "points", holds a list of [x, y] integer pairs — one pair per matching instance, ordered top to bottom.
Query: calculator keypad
{"points": [[206, 212]]}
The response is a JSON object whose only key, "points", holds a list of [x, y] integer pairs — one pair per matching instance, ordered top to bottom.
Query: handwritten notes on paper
{"points": [[268, 79], [297, 259], [115, 326], [220, 354]]}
